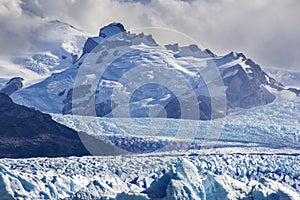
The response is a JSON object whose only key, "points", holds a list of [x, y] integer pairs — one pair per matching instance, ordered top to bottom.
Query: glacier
{"points": [[274, 126], [252, 152], [257, 157], [238, 166], [220, 176]]}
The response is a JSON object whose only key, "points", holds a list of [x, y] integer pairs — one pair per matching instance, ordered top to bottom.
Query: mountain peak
{"points": [[111, 29], [114, 29]]}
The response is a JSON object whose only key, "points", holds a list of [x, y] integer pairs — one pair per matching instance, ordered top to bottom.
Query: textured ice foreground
{"points": [[255, 156], [220, 176]]}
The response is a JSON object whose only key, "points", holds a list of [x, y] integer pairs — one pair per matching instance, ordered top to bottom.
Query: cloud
{"points": [[15, 28], [265, 31]]}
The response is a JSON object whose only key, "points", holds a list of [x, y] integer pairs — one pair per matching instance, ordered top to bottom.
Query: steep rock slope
{"points": [[12, 85], [26, 132]]}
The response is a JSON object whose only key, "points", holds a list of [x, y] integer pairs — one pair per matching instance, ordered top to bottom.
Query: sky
{"points": [[267, 31]]}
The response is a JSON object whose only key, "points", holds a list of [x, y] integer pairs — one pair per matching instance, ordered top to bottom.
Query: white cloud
{"points": [[15, 28], [266, 31]]}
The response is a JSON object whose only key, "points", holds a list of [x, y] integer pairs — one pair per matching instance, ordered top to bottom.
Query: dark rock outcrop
{"points": [[111, 29], [105, 32], [89, 45], [12, 85], [243, 91], [26, 132]]}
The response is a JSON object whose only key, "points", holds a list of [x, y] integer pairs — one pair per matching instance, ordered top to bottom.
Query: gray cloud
{"points": [[16, 28], [266, 31]]}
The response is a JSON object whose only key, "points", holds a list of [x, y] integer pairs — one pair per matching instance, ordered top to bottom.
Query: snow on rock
{"points": [[117, 30], [191, 50], [41, 64], [288, 78], [246, 85]]}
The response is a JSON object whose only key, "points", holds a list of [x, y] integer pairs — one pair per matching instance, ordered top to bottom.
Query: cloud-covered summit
{"points": [[266, 31]]}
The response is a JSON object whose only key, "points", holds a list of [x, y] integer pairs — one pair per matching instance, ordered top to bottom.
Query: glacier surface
{"points": [[257, 157], [219, 176]]}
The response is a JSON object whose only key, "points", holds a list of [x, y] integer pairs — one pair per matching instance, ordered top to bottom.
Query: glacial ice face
{"points": [[215, 177]]}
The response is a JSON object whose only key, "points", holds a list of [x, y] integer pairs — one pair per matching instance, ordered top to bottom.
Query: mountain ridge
{"points": [[245, 83]]}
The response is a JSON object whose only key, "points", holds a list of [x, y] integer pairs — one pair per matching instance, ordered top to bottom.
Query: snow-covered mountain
{"points": [[56, 46], [134, 72]]}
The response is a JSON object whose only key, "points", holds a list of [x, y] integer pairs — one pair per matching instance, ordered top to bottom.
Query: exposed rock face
{"points": [[111, 29], [106, 31], [89, 45], [12, 85], [243, 91], [26, 132]]}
